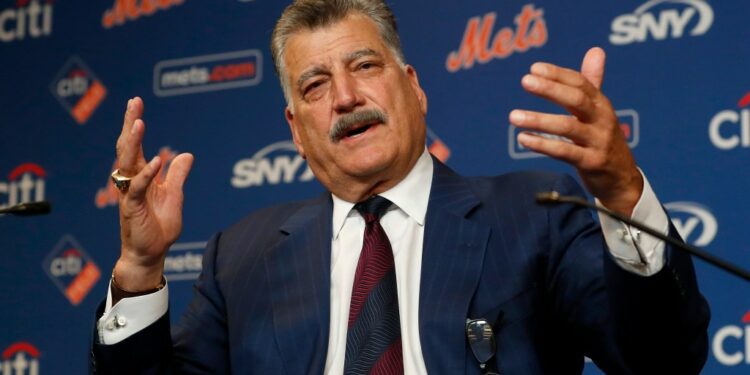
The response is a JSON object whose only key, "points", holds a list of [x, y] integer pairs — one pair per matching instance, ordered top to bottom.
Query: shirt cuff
{"points": [[625, 243], [130, 315]]}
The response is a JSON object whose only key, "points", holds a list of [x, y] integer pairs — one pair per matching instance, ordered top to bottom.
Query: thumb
{"points": [[593, 66], [178, 170]]}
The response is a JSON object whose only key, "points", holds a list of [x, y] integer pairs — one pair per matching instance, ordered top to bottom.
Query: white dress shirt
{"points": [[404, 225]]}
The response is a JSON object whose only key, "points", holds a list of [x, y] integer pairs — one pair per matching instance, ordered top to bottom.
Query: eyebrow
{"points": [[348, 59]]}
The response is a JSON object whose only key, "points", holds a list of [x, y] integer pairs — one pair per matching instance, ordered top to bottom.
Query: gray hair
{"points": [[313, 14]]}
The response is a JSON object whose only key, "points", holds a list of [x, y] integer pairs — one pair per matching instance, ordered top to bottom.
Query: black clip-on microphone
{"points": [[553, 197], [28, 209]]}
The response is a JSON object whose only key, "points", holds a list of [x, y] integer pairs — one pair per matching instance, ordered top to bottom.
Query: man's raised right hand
{"points": [[150, 210]]}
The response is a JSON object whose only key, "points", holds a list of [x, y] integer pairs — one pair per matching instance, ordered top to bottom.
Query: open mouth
{"points": [[357, 130]]}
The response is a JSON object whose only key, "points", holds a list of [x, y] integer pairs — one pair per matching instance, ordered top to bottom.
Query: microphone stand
{"points": [[553, 197], [28, 209]]}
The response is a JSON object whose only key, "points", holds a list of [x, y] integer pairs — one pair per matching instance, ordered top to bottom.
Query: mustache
{"points": [[349, 120]]}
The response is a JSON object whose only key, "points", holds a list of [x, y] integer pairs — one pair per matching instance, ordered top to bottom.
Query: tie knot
{"points": [[373, 208]]}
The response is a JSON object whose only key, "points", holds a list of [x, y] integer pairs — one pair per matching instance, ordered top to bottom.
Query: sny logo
{"points": [[131, 10], [27, 17], [644, 21], [479, 45], [208, 73], [78, 90], [739, 117], [629, 124], [273, 164], [22, 181], [108, 195], [687, 216], [71, 269], [734, 334], [20, 358]]}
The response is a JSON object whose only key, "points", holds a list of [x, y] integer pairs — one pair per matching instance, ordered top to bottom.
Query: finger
{"points": [[593, 66], [565, 76], [572, 99], [133, 111], [561, 125], [558, 149], [130, 159], [178, 171], [140, 183]]}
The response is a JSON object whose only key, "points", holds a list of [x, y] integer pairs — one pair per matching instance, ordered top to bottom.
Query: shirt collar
{"points": [[410, 195]]}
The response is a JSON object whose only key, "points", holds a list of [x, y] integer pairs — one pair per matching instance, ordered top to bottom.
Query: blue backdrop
{"points": [[677, 74]]}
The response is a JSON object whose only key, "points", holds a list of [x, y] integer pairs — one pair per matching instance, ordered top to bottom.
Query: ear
{"points": [[411, 73], [293, 127]]}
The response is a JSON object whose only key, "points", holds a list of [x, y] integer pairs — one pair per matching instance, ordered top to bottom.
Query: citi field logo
{"points": [[130, 10], [28, 18], [662, 19], [479, 44], [208, 73], [78, 90], [629, 124], [730, 128], [437, 147], [272, 165], [26, 184], [108, 195], [694, 222], [184, 261], [71, 269], [731, 344], [20, 358]]}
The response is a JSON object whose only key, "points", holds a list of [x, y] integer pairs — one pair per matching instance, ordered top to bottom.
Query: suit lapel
{"points": [[452, 260], [299, 272]]}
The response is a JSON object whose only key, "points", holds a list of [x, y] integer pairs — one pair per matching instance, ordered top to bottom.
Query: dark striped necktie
{"points": [[373, 339]]}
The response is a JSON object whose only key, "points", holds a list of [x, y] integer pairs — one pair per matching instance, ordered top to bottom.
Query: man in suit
{"points": [[282, 290]]}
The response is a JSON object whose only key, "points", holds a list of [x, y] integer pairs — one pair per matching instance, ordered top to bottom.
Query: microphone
{"points": [[553, 197], [28, 209]]}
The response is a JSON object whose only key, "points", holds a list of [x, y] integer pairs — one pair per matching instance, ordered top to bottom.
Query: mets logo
{"points": [[130, 10], [479, 44], [78, 90], [71, 269]]}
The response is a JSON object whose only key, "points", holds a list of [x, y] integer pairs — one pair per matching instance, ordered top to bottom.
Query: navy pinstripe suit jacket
{"points": [[541, 274]]}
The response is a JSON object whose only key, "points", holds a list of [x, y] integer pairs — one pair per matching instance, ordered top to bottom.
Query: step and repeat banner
{"points": [[677, 74]]}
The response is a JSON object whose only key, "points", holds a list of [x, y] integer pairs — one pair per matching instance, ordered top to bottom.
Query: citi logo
{"points": [[131, 10], [28, 18], [670, 22], [479, 44], [208, 73], [78, 90], [629, 125], [735, 125], [437, 147], [274, 164], [25, 184], [694, 222], [184, 261], [71, 269], [731, 336], [20, 358]]}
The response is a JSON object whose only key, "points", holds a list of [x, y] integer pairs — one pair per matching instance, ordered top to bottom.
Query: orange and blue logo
{"points": [[482, 44], [78, 90], [71, 269]]}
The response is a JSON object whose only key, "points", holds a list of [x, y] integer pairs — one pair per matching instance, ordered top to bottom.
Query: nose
{"points": [[346, 94]]}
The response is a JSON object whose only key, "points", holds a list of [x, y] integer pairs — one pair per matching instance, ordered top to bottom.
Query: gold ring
{"points": [[121, 182]]}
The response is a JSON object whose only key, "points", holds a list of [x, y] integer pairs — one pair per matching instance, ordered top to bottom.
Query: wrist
{"points": [[136, 278]]}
